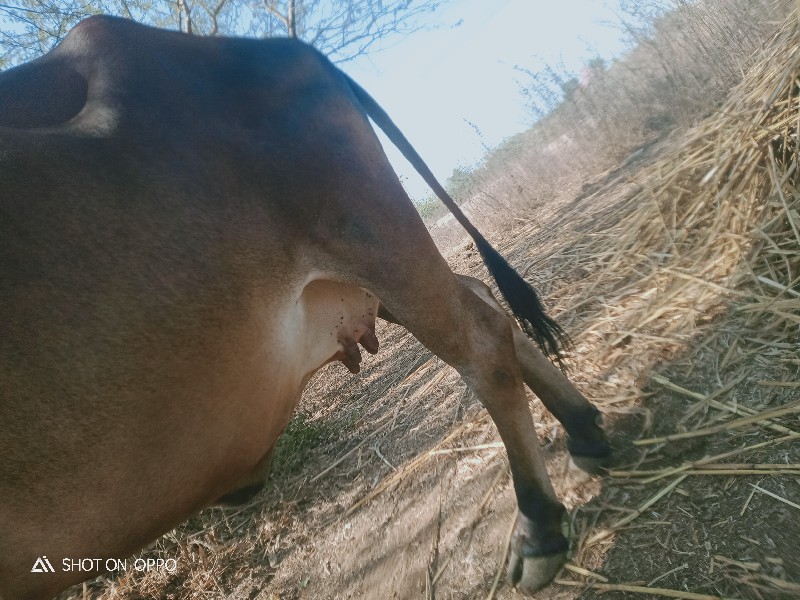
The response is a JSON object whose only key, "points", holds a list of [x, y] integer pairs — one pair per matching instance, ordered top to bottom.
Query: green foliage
{"points": [[596, 65], [569, 87], [460, 184], [427, 207], [300, 440]]}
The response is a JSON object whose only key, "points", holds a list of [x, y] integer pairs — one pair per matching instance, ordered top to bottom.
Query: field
{"points": [[673, 261]]}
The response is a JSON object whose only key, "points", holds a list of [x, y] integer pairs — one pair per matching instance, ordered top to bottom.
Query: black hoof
{"points": [[587, 442], [592, 457], [538, 549], [533, 573]]}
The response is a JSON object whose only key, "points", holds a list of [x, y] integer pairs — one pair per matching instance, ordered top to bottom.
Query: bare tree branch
{"points": [[272, 8], [184, 9], [213, 14], [292, 25], [342, 29]]}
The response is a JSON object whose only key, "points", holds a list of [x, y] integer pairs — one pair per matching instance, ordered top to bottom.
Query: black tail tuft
{"points": [[524, 304]]}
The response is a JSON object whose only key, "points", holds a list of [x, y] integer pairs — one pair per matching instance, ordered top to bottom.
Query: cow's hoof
{"points": [[587, 442], [591, 456], [592, 464], [533, 573]]}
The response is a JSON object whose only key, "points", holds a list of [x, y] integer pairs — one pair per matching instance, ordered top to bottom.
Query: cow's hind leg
{"points": [[377, 241], [478, 341], [587, 441]]}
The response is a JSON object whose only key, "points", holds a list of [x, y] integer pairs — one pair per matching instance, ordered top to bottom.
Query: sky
{"points": [[461, 70]]}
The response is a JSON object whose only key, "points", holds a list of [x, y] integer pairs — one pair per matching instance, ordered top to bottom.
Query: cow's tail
{"points": [[521, 297]]}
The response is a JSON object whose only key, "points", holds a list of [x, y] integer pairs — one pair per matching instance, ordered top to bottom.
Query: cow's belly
{"points": [[324, 322]]}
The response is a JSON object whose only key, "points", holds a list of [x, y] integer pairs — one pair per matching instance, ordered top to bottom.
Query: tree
{"points": [[342, 29], [346, 29], [569, 87], [548, 88], [460, 184]]}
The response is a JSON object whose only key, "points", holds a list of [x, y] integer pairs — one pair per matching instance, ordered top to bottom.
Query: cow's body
{"points": [[189, 229]]}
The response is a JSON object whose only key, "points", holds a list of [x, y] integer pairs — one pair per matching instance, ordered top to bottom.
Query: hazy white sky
{"points": [[432, 82]]}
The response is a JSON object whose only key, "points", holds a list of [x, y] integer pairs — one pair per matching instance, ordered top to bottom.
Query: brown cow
{"points": [[189, 228]]}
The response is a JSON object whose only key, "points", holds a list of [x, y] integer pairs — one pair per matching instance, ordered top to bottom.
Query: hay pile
{"points": [[715, 225]]}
